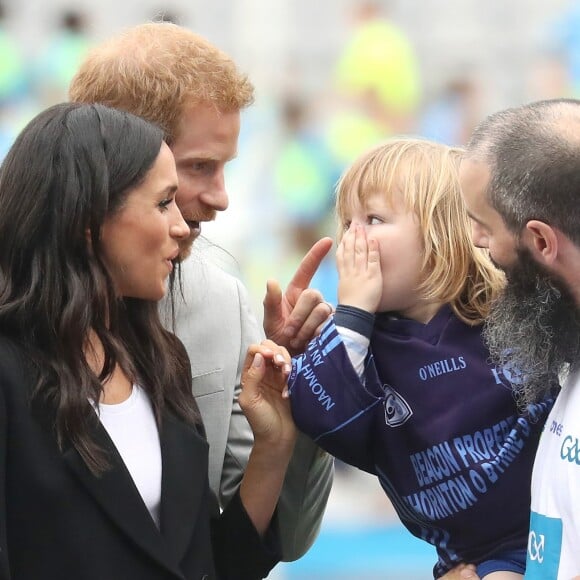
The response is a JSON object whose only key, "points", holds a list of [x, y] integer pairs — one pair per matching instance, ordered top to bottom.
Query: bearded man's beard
{"points": [[533, 330]]}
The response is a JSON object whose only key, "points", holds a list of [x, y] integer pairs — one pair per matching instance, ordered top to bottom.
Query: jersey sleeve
{"points": [[331, 404]]}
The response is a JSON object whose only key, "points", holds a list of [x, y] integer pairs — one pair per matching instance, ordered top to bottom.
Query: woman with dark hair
{"points": [[103, 461]]}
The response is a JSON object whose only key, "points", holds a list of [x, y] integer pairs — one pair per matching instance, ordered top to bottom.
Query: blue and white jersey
{"points": [[434, 421], [554, 538]]}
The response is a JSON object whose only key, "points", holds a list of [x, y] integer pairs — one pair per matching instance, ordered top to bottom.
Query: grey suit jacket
{"points": [[216, 325]]}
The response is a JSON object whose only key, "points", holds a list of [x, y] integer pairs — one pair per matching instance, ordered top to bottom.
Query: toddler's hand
{"points": [[359, 270]]}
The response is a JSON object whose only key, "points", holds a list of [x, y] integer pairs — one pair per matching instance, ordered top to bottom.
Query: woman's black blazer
{"points": [[59, 521]]}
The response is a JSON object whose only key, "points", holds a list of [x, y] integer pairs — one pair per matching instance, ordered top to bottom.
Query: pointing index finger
{"points": [[310, 263]]}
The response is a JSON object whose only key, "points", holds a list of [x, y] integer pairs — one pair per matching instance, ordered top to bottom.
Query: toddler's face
{"points": [[398, 233]]}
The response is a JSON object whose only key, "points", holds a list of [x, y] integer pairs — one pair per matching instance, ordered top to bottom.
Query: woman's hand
{"points": [[264, 396], [264, 400]]}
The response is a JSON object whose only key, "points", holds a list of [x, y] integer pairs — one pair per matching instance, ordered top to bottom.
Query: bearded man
{"points": [[520, 179]]}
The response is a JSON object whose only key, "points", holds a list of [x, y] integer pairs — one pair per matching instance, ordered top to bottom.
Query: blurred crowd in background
{"points": [[332, 77]]}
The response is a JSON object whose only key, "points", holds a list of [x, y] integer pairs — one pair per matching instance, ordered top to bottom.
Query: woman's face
{"points": [[141, 240]]}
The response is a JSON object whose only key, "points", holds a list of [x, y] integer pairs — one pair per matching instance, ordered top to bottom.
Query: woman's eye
{"points": [[165, 203]]}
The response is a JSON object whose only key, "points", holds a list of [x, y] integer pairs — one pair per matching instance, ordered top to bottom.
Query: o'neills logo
{"points": [[442, 367]]}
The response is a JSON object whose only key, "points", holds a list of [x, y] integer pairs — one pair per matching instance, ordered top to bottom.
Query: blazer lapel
{"points": [[184, 483], [116, 493]]}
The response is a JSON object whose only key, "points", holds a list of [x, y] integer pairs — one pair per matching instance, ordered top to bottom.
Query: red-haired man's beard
{"points": [[194, 222]]}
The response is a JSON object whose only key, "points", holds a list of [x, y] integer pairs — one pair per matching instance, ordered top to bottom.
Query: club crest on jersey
{"points": [[508, 375], [397, 410]]}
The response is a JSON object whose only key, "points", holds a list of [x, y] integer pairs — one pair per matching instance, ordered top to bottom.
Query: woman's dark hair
{"points": [[71, 168]]}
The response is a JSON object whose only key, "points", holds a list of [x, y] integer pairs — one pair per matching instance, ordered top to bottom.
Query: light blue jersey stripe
{"points": [[350, 420]]}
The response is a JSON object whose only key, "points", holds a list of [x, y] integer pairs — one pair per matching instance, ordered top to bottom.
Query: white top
{"points": [[357, 347], [131, 425], [554, 539]]}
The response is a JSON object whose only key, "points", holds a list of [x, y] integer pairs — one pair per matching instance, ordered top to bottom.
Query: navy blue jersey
{"points": [[435, 422]]}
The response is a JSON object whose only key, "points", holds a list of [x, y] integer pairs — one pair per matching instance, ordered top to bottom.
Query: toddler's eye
{"points": [[374, 220], [345, 226]]}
